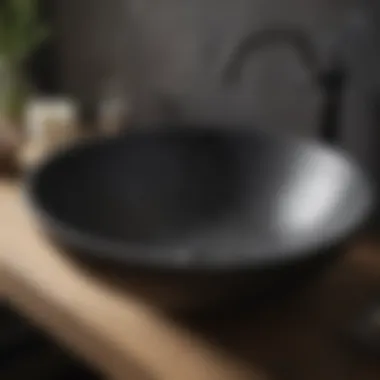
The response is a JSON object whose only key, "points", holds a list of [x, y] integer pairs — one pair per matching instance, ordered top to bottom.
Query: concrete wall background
{"points": [[91, 39], [174, 50]]}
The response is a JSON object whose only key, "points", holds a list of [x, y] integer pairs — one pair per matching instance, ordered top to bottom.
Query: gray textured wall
{"points": [[91, 43], [189, 43], [176, 50]]}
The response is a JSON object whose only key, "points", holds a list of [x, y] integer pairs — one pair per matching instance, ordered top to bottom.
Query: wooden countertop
{"points": [[118, 332]]}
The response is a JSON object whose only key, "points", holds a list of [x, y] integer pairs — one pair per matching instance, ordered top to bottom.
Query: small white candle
{"points": [[51, 121], [49, 124]]}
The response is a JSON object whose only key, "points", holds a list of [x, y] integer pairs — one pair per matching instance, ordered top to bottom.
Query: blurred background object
{"points": [[22, 32], [50, 123]]}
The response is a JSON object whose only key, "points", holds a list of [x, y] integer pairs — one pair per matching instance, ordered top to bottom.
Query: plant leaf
{"points": [[20, 29]]}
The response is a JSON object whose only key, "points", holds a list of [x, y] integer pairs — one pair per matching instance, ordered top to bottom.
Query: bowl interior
{"points": [[210, 194]]}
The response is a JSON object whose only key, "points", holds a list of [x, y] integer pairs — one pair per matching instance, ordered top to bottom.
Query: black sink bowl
{"points": [[196, 208]]}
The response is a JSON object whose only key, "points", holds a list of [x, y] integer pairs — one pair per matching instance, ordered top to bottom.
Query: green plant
{"points": [[21, 30]]}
